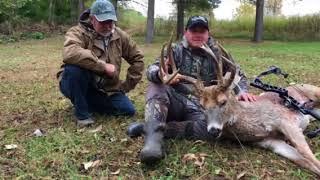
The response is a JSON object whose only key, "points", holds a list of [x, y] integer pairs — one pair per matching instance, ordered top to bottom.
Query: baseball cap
{"points": [[103, 10], [195, 21]]}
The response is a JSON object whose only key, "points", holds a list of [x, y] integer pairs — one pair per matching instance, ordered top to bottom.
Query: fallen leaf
{"points": [[99, 128], [38, 133], [124, 140], [199, 142], [10, 146], [85, 151], [128, 152], [203, 155], [188, 157], [198, 159], [96, 163], [91, 164], [87, 165], [217, 171], [280, 171], [116, 172], [241, 174]]}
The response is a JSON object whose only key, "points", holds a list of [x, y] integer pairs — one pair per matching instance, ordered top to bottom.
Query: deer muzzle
{"points": [[214, 122], [216, 133]]}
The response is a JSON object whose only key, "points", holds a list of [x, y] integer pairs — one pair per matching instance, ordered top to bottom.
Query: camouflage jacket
{"points": [[85, 48], [187, 60]]}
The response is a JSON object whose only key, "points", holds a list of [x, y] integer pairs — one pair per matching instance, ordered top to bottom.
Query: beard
{"points": [[108, 33]]}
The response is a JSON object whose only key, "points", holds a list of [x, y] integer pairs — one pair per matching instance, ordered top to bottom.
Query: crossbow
{"points": [[289, 101]]}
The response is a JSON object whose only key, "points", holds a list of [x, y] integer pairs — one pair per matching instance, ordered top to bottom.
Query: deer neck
{"points": [[233, 108]]}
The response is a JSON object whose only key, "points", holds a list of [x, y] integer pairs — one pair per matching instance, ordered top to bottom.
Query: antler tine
{"points": [[170, 55], [229, 60], [163, 67], [218, 67], [165, 77], [195, 82]]}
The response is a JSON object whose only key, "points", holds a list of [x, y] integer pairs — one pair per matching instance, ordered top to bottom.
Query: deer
{"points": [[266, 122]]}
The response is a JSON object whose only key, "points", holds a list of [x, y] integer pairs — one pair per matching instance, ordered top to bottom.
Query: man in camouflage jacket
{"points": [[92, 56], [172, 111]]}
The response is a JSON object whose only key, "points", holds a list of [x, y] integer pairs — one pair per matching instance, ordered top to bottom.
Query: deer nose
{"points": [[215, 132]]}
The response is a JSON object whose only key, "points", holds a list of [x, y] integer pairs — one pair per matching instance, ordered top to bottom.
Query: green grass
{"points": [[30, 99]]}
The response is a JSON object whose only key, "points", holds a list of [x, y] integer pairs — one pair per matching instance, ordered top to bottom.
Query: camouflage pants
{"points": [[185, 117]]}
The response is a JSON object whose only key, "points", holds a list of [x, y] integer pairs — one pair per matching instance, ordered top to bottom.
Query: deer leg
{"points": [[297, 139], [283, 149]]}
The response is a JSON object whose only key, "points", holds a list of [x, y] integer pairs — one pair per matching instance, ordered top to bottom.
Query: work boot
{"points": [[155, 114], [85, 122], [135, 129], [153, 145]]}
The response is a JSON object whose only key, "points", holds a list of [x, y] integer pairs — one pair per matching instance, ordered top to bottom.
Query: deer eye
{"points": [[223, 103]]}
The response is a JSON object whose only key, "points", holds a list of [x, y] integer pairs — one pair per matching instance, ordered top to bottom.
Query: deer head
{"points": [[214, 99]]}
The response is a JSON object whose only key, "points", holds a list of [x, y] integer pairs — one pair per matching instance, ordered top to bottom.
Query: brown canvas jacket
{"points": [[87, 49]]}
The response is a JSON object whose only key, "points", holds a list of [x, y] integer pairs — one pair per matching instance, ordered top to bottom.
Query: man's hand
{"points": [[167, 64], [109, 69], [244, 96]]}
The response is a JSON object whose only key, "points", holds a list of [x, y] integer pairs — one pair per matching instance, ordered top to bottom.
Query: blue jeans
{"points": [[77, 85]]}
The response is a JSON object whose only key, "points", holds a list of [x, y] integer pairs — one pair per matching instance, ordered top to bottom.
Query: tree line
{"points": [[14, 13]]}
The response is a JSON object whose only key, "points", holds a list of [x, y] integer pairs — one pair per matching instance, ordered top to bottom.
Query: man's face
{"points": [[103, 28], [196, 36]]}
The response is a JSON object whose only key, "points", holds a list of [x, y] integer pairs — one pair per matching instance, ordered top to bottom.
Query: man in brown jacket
{"points": [[92, 56]]}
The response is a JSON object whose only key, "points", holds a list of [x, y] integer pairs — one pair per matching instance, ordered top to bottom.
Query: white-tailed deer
{"points": [[265, 122]]}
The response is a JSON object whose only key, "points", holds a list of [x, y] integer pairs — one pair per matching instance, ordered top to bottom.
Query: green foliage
{"points": [[199, 5], [273, 7], [245, 10], [39, 11], [9, 12], [130, 19], [275, 28], [33, 35], [6, 39]]}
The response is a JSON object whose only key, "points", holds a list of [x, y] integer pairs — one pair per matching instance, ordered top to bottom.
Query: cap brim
{"points": [[105, 17], [198, 24]]}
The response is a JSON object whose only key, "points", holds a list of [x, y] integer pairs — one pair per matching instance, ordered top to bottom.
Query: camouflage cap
{"points": [[103, 10]]}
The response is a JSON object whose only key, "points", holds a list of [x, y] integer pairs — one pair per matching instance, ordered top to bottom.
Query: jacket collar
{"points": [[103, 42]]}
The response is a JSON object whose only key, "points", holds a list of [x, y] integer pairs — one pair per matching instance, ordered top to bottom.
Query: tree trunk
{"points": [[115, 4], [81, 7], [74, 11], [180, 18], [51, 21], [150, 22], [9, 26], [258, 30]]}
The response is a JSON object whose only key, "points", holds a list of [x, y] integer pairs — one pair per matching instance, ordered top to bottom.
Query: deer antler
{"points": [[228, 60], [218, 68], [165, 77], [196, 82]]}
